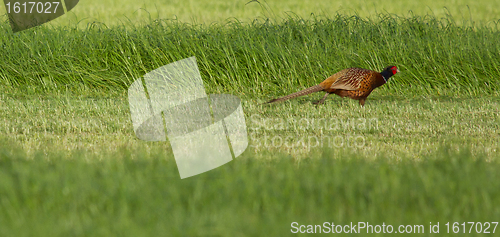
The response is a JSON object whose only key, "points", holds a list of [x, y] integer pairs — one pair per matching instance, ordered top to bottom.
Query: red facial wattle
{"points": [[394, 70]]}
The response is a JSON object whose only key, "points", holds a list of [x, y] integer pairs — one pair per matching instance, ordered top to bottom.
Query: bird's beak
{"points": [[397, 69]]}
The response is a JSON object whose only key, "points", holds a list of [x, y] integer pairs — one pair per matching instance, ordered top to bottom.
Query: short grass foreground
{"points": [[73, 167], [137, 192]]}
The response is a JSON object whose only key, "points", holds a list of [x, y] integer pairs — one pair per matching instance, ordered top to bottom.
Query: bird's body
{"points": [[355, 83]]}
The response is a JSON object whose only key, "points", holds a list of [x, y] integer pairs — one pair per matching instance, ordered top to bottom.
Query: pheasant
{"points": [[355, 83]]}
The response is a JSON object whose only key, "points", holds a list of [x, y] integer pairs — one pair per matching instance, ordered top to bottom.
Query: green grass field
{"points": [[114, 12], [425, 148]]}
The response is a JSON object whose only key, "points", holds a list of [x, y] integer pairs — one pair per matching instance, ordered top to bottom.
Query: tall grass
{"points": [[435, 55]]}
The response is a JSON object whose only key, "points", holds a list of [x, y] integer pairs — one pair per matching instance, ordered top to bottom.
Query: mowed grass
{"points": [[114, 12], [388, 126], [423, 149], [138, 192]]}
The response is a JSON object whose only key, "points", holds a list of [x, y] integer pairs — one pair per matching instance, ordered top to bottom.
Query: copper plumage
{"points": [[355, 83]]}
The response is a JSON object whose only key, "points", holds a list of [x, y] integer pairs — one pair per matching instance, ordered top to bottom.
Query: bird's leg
{"points": [[322, 99], [362, 101]]}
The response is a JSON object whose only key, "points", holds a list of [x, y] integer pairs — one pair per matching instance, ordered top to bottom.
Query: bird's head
{"points": [[389, 71]]}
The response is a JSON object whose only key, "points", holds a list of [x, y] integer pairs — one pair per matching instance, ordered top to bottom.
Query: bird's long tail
{"points": [[297, 94]]}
